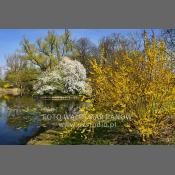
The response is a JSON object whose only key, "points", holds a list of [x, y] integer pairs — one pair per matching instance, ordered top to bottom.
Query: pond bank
{"points": [[10, 91], [68, 97], [23, 118], [44, 138]]}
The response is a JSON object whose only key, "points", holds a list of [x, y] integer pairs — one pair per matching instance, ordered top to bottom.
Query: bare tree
{"points": [[169, 38], [112, 46], [85, 50], [15, 63]]}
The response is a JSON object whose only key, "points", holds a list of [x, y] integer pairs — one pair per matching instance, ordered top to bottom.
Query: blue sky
{"points": [[10, 38]]}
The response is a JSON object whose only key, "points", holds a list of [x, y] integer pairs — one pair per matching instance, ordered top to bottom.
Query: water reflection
{"points": [[21, 117]]}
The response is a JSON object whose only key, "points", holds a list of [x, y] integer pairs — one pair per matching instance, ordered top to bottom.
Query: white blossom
{"points": [[69, 77]]}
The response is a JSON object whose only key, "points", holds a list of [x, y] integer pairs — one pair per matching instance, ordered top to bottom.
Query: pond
{"points": [[23, 117]]}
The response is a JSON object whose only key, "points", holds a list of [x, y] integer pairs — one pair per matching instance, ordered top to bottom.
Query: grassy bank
{"points": [[10, 91], [61, 97], [101, 136]]}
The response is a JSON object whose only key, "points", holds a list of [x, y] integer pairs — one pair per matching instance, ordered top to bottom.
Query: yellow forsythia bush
{"points": [[140, 85]]}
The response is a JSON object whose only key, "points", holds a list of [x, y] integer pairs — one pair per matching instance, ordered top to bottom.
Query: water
{"points": [[22, 117]]}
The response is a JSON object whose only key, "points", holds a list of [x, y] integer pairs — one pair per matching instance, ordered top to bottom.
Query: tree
{"points": [[169, 38], [66, 44], [112, 47], [85, 51], [43, 53], [46, 53], [15, 63], [20, 73], [69, 77], [23, 78]]}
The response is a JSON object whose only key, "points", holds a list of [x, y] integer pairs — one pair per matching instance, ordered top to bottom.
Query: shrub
{"points": [[69, 77], [139, 85]]}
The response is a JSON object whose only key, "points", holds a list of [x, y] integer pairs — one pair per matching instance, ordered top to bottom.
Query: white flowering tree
{"points": [[69, 77]]}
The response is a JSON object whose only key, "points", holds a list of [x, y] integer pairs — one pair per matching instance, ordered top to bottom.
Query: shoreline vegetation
{"points": [[10, 91], [18, 91], [59, 97], [46, 137]]}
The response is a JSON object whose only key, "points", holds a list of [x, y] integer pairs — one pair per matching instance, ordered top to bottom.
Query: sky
{"points": [[10, 38]]}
